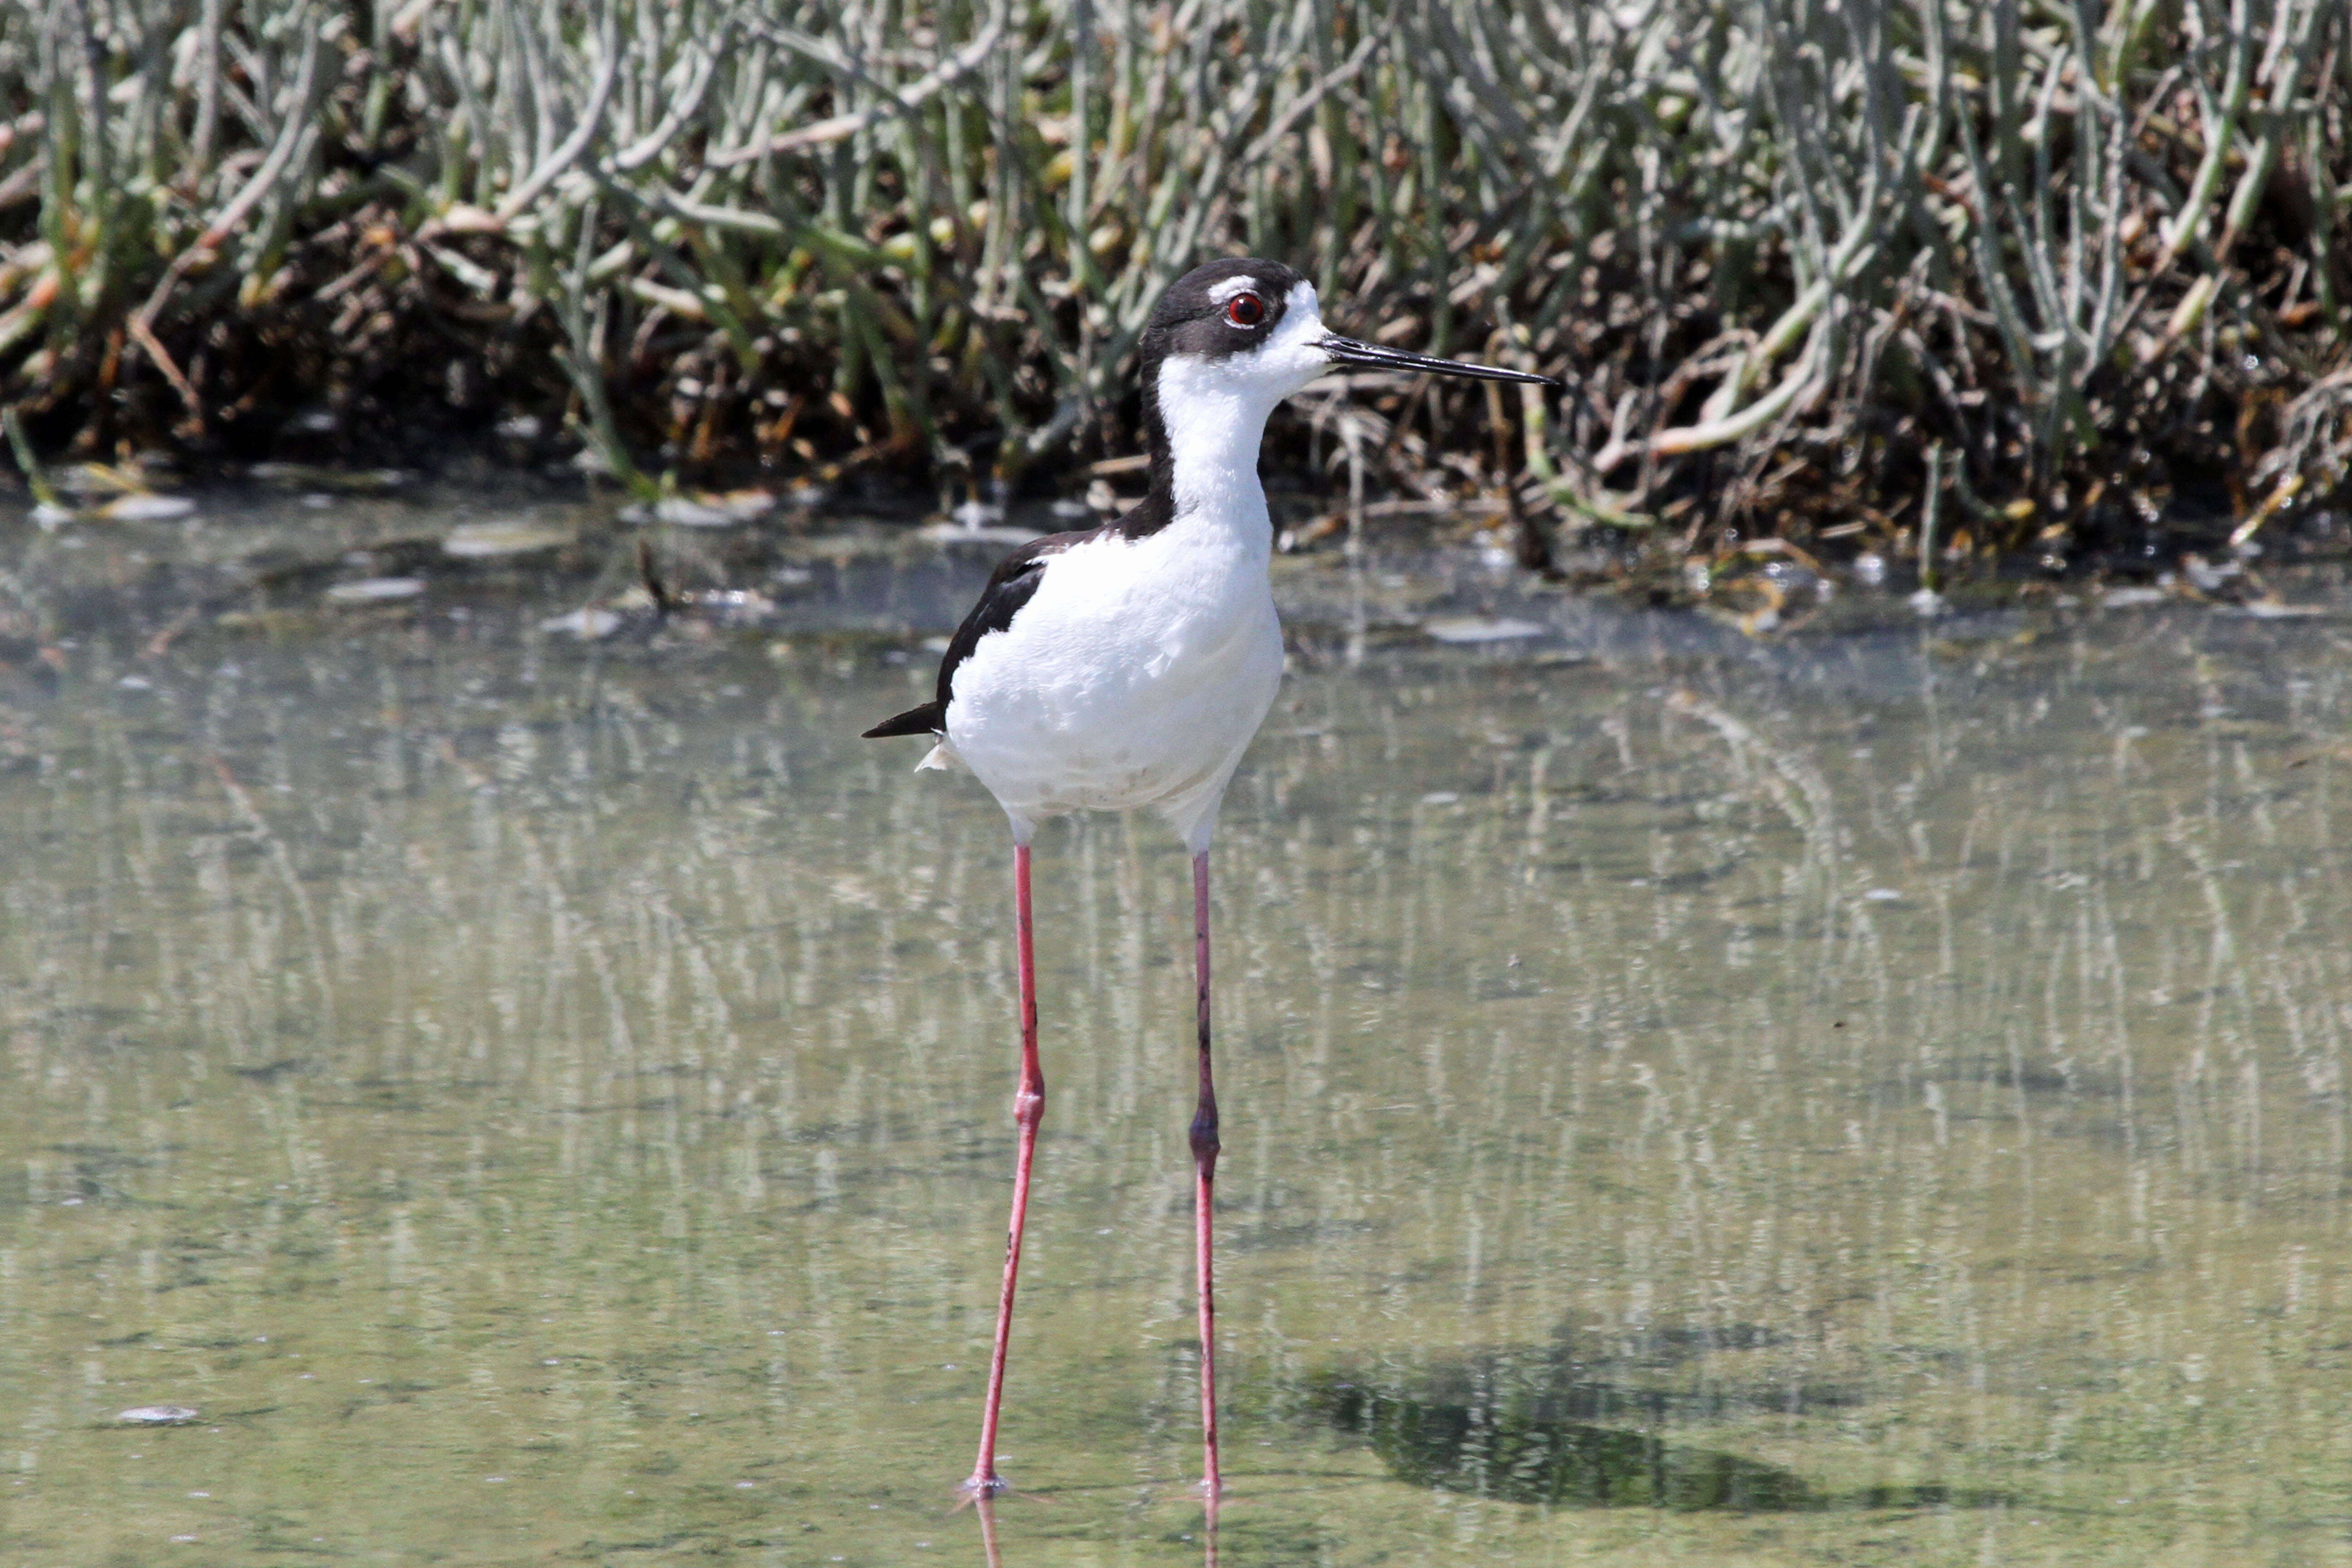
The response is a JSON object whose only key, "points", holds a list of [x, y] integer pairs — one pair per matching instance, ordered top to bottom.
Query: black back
{"points": [[1186, 320]]}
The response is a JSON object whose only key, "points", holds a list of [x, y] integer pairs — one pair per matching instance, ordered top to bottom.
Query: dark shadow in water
{"points": [[1635, 1379], [1520, 1450], [1496, 1452]]}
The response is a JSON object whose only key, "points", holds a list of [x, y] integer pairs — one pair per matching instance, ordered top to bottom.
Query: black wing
{"points": [[1008, 587]]}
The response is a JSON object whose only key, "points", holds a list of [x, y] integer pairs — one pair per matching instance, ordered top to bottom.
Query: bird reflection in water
{"points": [[986, 1508]]}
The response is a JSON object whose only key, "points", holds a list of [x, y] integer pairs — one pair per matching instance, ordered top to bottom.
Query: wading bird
{"points": [[1129, 665]]}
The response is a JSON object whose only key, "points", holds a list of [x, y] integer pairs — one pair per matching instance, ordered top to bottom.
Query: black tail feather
{"points": [[930, 718]]}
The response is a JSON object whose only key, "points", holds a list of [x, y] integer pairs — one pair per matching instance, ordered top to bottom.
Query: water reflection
{"points": [[554, 1096], [992, 1550]]}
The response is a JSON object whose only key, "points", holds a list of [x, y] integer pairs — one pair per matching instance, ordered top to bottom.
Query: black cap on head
{"points": [[1220, 308]]}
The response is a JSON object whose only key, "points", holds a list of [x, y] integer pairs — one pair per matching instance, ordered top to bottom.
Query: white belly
{"points": [[1136, 675]]}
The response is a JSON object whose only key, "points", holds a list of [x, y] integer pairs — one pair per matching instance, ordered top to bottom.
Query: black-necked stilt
{"points": [[1130, 665]]}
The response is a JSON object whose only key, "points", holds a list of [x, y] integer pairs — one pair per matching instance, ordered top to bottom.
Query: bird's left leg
{"points": [[1028, 1109], [1204, 1165]]}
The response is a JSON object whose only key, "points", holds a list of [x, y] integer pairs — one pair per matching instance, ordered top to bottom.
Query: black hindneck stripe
{"points": [[1156, 509]]}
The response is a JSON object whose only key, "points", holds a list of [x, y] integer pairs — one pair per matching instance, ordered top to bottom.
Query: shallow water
{"points": [[1870, 1096]]}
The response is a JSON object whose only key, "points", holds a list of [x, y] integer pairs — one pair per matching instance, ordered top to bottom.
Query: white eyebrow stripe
{"points": [[1230, 287]]}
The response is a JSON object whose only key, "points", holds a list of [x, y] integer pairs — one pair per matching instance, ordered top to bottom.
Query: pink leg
{"points": [[1028, 1109], [1204, 1166]]}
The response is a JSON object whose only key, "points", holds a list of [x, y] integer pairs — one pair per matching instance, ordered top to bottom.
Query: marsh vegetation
{"points": [[2012, 275]]}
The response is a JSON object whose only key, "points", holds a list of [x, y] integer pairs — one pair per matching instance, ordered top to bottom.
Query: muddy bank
{"points": [[302, 553]]}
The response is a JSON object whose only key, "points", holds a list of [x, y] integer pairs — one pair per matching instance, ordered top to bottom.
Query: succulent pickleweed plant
{"points": [[2036, 235]]}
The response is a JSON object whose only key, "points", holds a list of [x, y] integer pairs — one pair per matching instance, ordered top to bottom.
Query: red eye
{"points": [[1245, 311]]}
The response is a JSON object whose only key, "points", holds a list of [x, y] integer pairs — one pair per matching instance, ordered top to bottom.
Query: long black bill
{"points": [[1348, 351]]}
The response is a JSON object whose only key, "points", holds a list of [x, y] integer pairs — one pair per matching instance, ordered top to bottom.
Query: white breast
{"points": [[1135, 676]]}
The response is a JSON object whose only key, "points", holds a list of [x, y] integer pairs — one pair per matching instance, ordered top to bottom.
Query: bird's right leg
{"points": [[1028, 1109], [1205, 1146]]}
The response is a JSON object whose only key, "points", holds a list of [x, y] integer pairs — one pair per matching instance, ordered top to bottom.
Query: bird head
{"points": [[1252, 326]]}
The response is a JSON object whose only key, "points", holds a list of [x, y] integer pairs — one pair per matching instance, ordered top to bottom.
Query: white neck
{"points": [[1214, 421]]}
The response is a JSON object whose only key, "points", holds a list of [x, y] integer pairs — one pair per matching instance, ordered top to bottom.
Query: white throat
{"points": [[1214, 411], [1214, 427]]}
